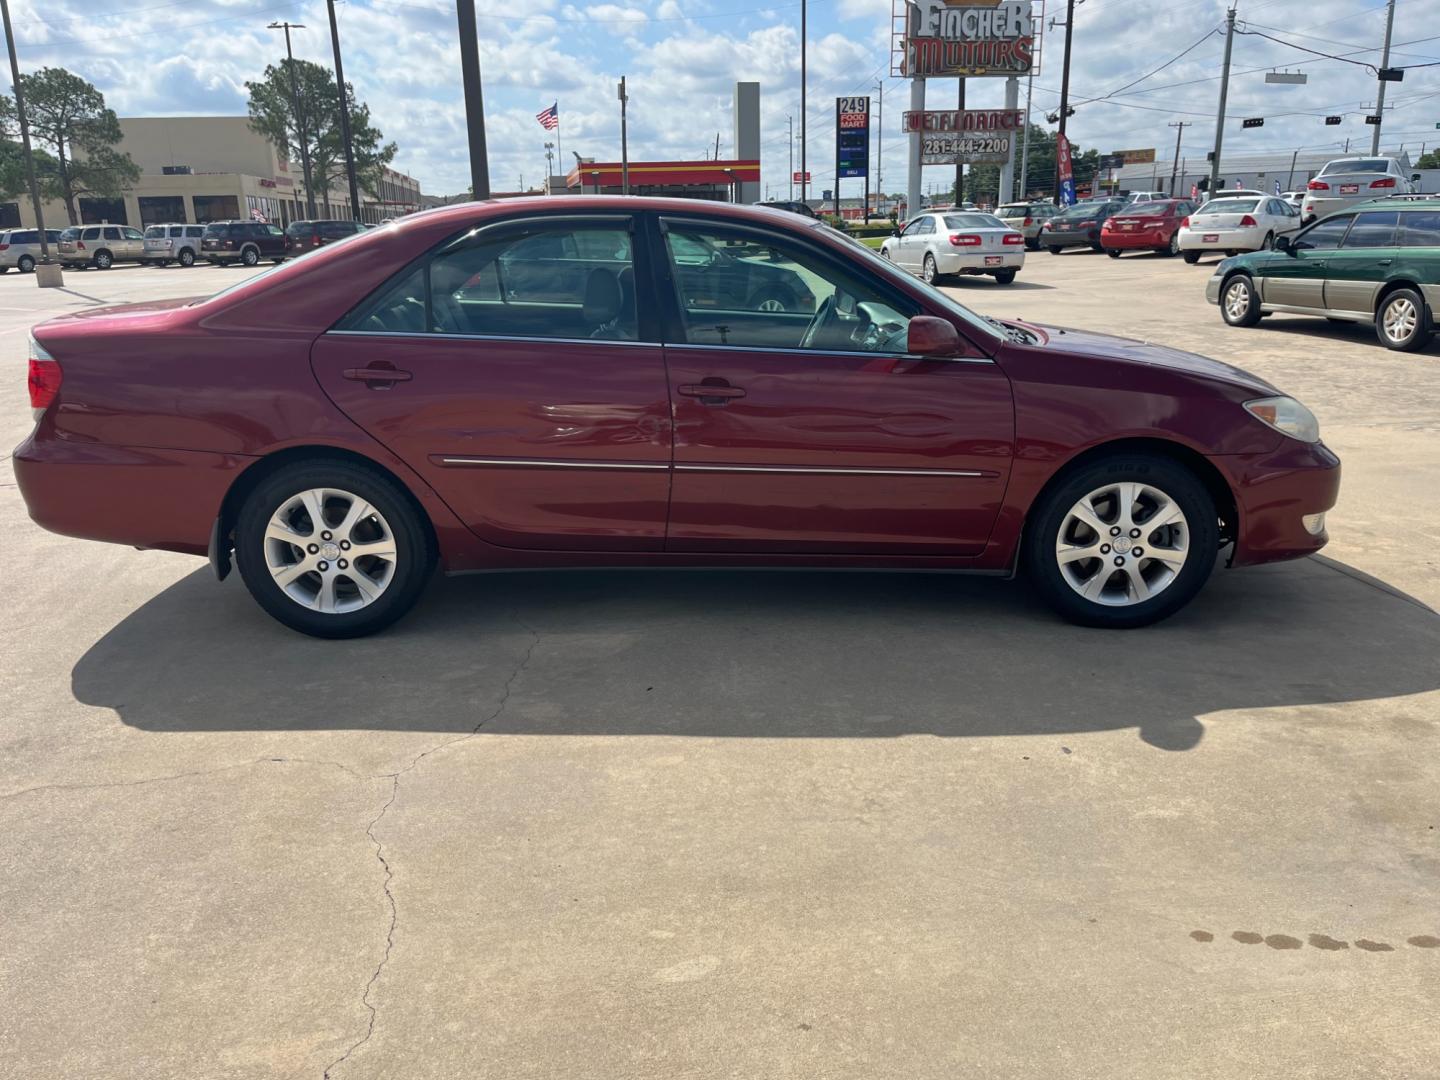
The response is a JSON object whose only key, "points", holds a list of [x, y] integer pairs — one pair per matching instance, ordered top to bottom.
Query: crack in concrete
{"points": [[394, 779], [101, 785]]}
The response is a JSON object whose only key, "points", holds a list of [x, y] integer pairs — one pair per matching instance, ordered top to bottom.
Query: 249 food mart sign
{"points": [[970, 38]]}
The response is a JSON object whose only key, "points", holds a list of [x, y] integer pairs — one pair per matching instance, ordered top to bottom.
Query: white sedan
{"points": [[1235, 223], [935, 245]]}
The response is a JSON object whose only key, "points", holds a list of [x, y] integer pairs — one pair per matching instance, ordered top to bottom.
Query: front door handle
{"points": [[1385, 262], [378, 376], [712, 391]]}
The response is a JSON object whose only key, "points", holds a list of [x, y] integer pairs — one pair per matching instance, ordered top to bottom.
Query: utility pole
{"points": [[1384, 63], [1064, 90], [1224, 90], [474, 100], [299, 116], [344, 116], [624, 142], [790, 142], [1025, 149], [880, 150], [1175, 164], [959, 165], [804, 177], [1290, 181], [45, 276]]}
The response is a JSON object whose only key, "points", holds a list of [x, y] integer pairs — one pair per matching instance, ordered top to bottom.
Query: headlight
{"points": [[1287, 416]]}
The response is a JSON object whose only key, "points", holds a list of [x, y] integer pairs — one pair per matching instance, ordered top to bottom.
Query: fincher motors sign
{"points": [[953, 38]]}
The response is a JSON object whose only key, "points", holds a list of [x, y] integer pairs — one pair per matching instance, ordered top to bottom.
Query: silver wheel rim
{"points": [[1174, 241], [251, 257], [929, 272], [1237, 299], [771, 305], [1400, 319], [1122, 544], [330, 551]]}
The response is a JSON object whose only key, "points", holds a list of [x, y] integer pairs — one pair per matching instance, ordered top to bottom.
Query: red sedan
{"points": [[1153, 226], [559, 382]]}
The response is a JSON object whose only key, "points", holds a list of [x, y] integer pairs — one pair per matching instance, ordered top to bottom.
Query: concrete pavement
{"points": [[742, 824]]}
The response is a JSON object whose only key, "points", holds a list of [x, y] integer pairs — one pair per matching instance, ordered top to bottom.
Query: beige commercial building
{"points": [[210, 168]]}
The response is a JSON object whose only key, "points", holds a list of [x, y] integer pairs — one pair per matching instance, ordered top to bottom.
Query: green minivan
{"points": [[1374, 262]]}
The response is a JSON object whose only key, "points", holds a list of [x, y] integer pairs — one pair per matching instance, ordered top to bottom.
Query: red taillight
{"points": [[1389, 181], [1317, 185], [1028, 221], [1184, 221], [1247, 222], [1013, 238], [315, 239], [964, 240], [80, 244], [4, 247], [44, 378]]}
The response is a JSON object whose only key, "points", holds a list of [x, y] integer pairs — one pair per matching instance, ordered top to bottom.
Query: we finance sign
{"points": [[969, 38]]}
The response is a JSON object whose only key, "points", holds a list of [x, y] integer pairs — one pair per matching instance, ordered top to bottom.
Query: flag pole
{"points": [[560, 146]]}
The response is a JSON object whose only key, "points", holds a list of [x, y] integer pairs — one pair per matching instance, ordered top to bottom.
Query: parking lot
{"points": [[742, 824]]}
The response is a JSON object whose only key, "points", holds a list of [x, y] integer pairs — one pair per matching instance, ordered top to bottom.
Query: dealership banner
{"points": [[966, 38], [970, 121], [852, 136], [1067, 178]]}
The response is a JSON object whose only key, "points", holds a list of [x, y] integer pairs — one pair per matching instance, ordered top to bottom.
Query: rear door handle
{"points": [[378, 376], [712, 393]]}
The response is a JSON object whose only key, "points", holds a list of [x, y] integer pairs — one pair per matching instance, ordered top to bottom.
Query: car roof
{"points": [[1425, 201]]}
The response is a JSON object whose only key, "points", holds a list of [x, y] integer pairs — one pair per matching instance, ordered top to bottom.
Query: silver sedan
{"points": [[938, 244]]}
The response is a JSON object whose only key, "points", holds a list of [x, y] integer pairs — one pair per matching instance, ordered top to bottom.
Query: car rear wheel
{"points": [[1268, 244], [1032, 245], [1173, 248], [1054, 249], [1112, 252], [250, 256], [187, 257], [1192, 257], [104, 260], [26, 264], [929, 271], [1004, 277], [773, 300], [1239, 304], [1403, 321], [1123, 542], [332, 549]]}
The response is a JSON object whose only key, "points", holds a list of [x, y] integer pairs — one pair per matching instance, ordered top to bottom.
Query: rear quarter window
{"points": [[1420, 228]]}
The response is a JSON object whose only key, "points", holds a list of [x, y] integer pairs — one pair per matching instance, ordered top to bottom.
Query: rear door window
{"points": [[1420, 228], [1372, 229], [194, 230]]}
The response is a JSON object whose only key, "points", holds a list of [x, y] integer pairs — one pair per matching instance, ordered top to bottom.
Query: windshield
{"points": [[1356, 165], [1231, 206], [1153, 209], [1014, 210], [1082, 212], [973, 221], [155, 232], [70, 234], [887, 269]]}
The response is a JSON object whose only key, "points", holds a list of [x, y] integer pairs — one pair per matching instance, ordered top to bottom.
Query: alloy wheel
{"points": [[1175, 242], [928, 273], [1237, 299], [771, 304], [1400, 319], [1122, 544], [330, 551]]}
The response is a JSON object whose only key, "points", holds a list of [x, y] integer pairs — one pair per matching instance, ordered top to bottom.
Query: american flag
{"points": [[549, 118]]}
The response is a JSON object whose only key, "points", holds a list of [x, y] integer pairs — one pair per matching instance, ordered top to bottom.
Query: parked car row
{"points": [[219, 242], [20, 248]]}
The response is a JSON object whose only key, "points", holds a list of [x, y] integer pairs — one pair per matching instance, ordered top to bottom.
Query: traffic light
{"points": [[1253, 121], [1203, 183]]}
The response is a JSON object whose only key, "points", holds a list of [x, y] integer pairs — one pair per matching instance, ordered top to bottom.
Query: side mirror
{"points": [[1415, 177], [895, 231], [1282, 243], [929, 336]]}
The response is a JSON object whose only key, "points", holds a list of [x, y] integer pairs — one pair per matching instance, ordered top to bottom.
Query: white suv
{"points": [[165, 244]]}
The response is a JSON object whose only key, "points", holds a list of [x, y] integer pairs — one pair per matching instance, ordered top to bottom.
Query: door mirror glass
{"points": [[1415, 177], [1282, 243], [929, 336]]}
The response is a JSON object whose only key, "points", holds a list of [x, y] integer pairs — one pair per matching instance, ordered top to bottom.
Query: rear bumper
{"points": [[1079, 238], [1137, 238], [975, 264], [1274, 493], [146, 498]]}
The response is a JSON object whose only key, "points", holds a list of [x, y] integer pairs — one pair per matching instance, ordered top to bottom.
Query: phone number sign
{"points": [[955, 149]]}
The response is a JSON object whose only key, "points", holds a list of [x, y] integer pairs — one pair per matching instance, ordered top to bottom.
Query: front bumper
{"points": [[975, 264], [1275, 493]]}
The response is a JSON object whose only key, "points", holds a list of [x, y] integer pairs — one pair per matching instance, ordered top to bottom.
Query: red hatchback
{"points": [[1153, 226], [565, 382]]}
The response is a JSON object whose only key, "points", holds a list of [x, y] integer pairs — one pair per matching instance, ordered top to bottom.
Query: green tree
{"points": [[272, 114], [74, 137], [1429, 160], [982, 182]]}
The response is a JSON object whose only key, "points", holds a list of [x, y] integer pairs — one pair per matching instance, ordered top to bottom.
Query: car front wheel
{"points": [[104, 260], [1239, 304], [1403, 321], [1123, 542], [332, 549]]}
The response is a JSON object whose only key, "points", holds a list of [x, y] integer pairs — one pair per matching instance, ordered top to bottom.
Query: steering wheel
{"points": [[824, 319]]}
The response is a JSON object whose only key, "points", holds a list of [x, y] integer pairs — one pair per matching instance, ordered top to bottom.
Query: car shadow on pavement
{"points": [[971, 281], [764, 654]]}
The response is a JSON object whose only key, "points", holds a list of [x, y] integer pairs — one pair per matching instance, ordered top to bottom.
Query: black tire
{"points": [[1268, 244], [1030, 245], [1097, 247], [1054, 249], [1112, 252], [250, 256], [187, 257], [1191, 257], [103, 260], [25, 264], [1004, 277], [1238, 292], [1421, 323], [1047, 518], [414, 561]]}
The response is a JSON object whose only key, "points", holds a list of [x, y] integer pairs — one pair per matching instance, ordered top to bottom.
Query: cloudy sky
{"points": [[683, 57]]}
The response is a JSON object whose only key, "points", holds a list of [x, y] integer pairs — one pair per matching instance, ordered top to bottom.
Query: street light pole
{"points": [[474, 99], [299, 115], [344, 116], [624, 142], [804, 178], [47, 277]]}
